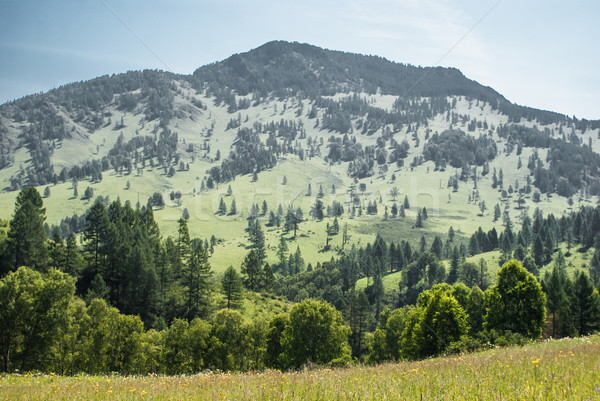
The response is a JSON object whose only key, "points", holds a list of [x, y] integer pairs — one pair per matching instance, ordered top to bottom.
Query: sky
{"points": [[542, 54]]}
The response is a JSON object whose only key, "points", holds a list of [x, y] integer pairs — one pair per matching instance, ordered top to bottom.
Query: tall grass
{"points": [[554, 370]]}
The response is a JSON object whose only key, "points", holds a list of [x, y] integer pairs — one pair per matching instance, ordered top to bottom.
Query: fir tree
{"points": [[26, 238], [232, 288]]}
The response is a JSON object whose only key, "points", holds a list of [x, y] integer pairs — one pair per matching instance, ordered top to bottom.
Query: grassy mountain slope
{"points": [[327, 95]]}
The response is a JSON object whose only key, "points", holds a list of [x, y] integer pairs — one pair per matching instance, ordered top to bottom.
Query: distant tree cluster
{"points": [[459, 149]]}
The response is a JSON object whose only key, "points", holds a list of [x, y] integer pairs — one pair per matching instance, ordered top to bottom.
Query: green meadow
{"points": [[565, 369]]}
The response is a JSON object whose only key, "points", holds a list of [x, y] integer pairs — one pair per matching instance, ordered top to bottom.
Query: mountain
{"points": [[287, 108]]}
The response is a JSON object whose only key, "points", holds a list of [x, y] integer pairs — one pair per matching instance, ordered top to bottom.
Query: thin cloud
{"points": [[67, 52]]}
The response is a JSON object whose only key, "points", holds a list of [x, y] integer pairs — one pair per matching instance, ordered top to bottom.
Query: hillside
{"points": [[309, 116]]}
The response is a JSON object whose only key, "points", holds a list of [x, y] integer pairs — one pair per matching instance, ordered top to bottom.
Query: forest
{"points": [[122, 298]]}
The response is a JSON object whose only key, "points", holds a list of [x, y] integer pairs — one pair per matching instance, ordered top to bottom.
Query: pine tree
{"points": [[406, 203], [222, 207], [233, 208], [497, 212], [419, 221], [451, 234], [26, 238], [184, 243], [422, 244], [436, 247], [282, 249], [56, 250], [454, 266], [252, 270], [195, 280], [232, 288], [556, 299], [586, 306]]}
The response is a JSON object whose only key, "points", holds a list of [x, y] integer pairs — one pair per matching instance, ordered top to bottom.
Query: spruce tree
{"points": [[26, 238], [232, 288], [586, 306]]}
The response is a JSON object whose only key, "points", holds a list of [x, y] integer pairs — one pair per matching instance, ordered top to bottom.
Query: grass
{"points": [[423, 186], [566, 369]]}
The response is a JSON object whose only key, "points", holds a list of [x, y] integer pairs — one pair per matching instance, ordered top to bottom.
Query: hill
{"points": [[295, 112]]}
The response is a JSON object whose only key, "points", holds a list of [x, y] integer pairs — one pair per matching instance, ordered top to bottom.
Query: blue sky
{"points": [[543, 54]]}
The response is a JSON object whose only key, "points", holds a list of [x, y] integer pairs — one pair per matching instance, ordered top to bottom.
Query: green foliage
{"points": [[26, 236], [252, 270], [195, 280], [232, 288], [516, 303], [586, 306], [34, 315], [437, 321], [316, 333], [228, 343]]}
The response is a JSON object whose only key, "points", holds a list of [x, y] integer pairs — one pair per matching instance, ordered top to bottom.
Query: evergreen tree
{"points": [[222, 207], [265, 208], [317, 211], [497, 212], [419, 221], [94, 234], [451, 234], [26, 237], [257, 238], [184, 244], [422, 244], [436, 247], [56, 251], [538, 251], [454, 266], [252, 270], [195, 280], [232, 288], [556, 299], [586, 306], [359, 318]]}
